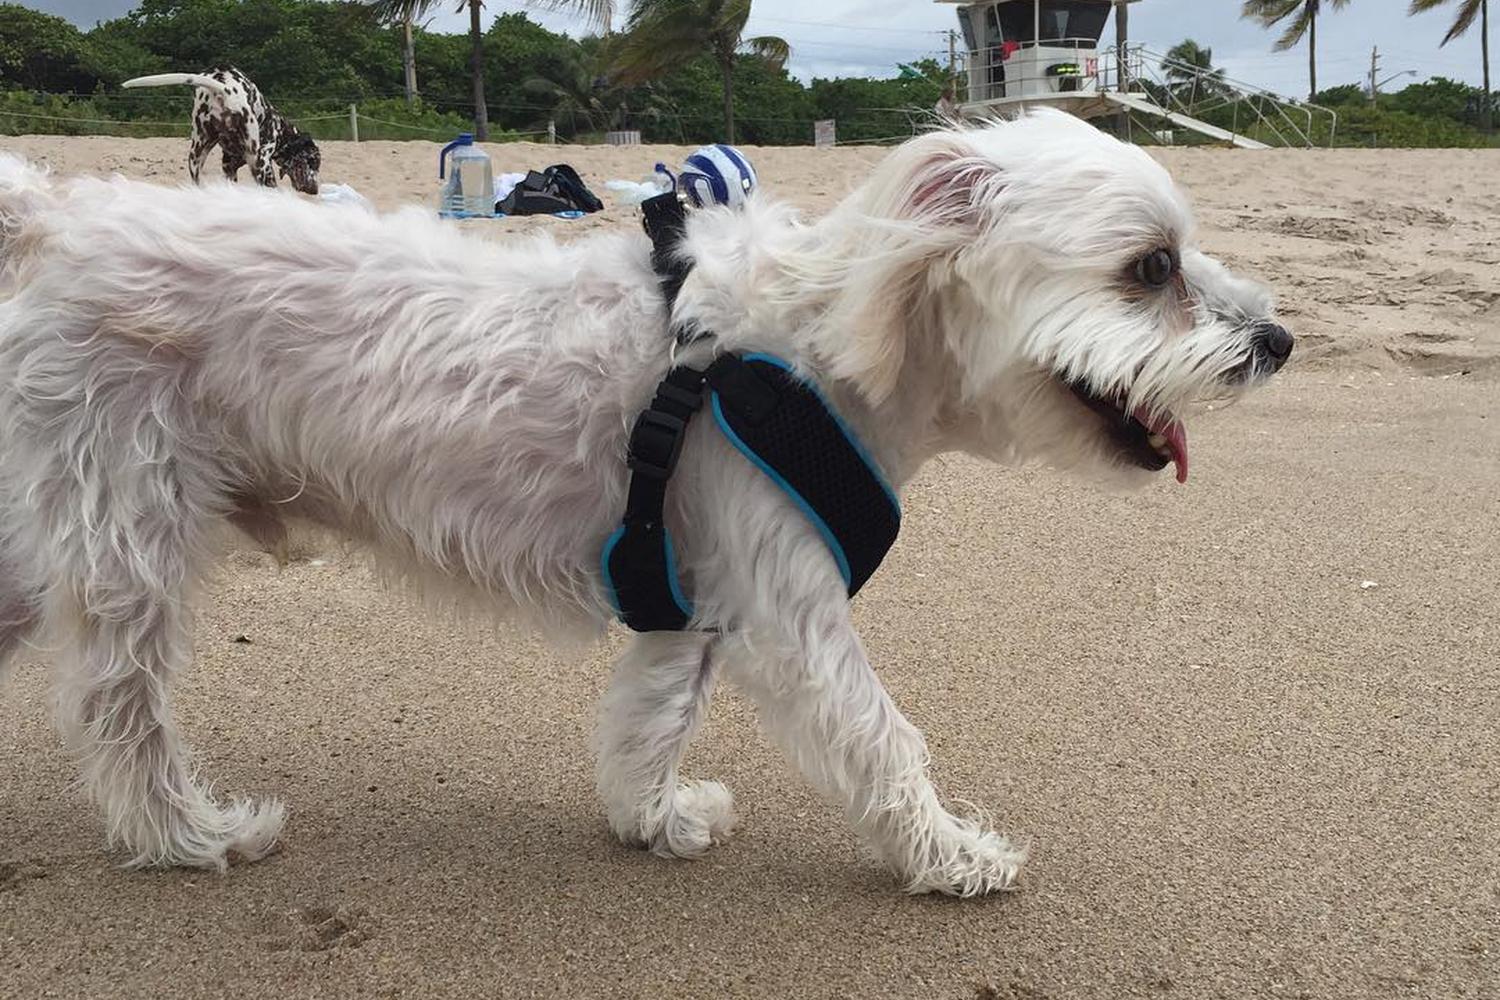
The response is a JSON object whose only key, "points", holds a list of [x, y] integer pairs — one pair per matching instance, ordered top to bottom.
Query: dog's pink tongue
{"points": [[1176, 436]]}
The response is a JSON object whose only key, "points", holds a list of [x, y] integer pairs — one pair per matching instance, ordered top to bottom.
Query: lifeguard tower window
{"points": [[1064, 24]]}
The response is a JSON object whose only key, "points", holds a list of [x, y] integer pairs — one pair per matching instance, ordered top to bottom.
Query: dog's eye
{"points": [[1156, 268]]}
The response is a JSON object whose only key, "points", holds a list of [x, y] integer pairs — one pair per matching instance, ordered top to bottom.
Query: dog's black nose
{"points": [[1273, 343]]}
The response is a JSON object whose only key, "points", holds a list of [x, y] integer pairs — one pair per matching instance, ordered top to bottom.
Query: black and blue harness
{"points": [[782, 425]]}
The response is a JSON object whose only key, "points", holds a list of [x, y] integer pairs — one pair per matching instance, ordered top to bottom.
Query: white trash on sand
{"points": [[343, 194]]}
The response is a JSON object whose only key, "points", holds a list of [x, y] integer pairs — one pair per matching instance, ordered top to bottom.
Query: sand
{"points": [[1251, 726]]}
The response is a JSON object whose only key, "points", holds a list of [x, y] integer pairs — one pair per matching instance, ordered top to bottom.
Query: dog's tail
{"points": [[178, 80], [25, 193]]}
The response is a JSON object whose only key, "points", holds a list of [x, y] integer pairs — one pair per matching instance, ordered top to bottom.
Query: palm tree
{"points": [[1468, 10], [404, 12], [1304, 14], [661, 34], [1190, 69], [575, 90]]}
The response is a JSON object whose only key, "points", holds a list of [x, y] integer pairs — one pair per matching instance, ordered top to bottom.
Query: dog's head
{"points": [[297, 159], [1048, 273]]}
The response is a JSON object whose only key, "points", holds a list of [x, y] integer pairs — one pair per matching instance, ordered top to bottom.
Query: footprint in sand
{"points": [[15, 874], [318, 928]]}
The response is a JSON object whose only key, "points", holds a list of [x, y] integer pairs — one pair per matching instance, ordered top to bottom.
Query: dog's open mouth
{"points": [[1149, 441]]}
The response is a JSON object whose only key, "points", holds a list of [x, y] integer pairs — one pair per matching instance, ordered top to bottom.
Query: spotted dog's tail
{"points": [[178, 80]]}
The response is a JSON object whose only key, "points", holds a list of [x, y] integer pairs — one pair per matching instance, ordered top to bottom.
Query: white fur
{"points": [[170, 359]]}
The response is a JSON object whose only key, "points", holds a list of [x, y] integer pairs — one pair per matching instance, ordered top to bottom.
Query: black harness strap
{"points": [[665, 220], [778, 421], [640, 567]]}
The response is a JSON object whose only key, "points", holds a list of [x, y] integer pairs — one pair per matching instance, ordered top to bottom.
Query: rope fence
{"points": [[139, 123], [356, 125]]}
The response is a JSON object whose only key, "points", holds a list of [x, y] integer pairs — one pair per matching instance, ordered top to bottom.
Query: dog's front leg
{"points": [[656, 701], [821, 701]]}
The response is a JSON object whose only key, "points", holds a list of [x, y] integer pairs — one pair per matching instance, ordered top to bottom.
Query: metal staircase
{"points": [[1209, 103]]}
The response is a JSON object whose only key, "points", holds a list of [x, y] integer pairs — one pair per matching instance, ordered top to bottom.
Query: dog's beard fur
{"points": [[173, 359]]}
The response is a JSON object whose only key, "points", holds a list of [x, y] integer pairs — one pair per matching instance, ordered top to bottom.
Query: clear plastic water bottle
{"points": [[469, 190]]}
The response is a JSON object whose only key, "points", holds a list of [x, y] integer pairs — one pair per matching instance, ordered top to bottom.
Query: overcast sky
{"points": [[868, 37]]}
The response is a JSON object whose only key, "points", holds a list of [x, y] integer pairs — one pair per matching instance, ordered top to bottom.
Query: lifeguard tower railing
{"points": [[1157, 91]]}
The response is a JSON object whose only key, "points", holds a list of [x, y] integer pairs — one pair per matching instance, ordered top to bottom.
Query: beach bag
{"points": [[549, 192]]}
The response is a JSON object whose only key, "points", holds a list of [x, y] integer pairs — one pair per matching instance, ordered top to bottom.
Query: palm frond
{"points": [[399, 11], [600, 12], [659, 12], [1268, 12], [1468, 12], [1296, 29], [652, 47], [773, 50]]}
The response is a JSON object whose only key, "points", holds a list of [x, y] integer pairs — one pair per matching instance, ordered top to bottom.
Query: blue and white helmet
{"points": [[716, 175]]}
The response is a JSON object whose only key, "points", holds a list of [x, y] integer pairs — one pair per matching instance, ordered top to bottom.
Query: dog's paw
{"points": [[702, 815], [683, 824], [206, 835], [967, 860]]}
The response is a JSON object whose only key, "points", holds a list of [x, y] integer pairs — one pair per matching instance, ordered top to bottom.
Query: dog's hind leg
{"points": [[205, 136], [198, 154], [133, 508], [657, 698], [829, 712]]}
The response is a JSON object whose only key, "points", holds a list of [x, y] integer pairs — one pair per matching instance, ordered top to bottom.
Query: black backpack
{"points": [[556, 189]]}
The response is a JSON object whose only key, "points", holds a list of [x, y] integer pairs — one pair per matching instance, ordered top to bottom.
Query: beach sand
{"points": [[1250, 726]]}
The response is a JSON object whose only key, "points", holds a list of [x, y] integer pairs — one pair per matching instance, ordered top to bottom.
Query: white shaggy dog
{"points": [[174, 359]]}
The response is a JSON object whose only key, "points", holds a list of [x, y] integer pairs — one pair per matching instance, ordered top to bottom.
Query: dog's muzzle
{"points": [[1270, 345]]}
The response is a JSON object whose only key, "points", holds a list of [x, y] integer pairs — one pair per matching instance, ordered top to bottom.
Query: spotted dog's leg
{"points": [[205, 136], [236, 141], [263, 167]]}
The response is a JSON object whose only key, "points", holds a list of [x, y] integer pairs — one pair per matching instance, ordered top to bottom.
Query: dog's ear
{"points": [[945, 182], [923, 205]]}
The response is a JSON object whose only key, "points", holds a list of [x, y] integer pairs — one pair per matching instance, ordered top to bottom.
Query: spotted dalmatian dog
{"points": [[230, 112]]}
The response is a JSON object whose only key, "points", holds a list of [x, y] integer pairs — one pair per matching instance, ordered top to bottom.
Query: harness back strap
{"points": [[665, 220]]}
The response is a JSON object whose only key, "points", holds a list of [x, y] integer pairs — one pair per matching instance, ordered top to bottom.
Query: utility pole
{"points": [[952, 53], [1374, 75]]}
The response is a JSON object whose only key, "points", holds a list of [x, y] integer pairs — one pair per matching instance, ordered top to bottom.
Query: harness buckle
{"points": [[656, 444]]}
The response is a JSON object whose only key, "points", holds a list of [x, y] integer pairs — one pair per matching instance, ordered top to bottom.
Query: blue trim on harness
{"points": [[609, 578], [673, 582]]}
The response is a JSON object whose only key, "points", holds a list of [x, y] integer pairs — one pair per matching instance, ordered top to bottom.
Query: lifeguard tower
{"points": [[1034, 51], [1024, 53]]}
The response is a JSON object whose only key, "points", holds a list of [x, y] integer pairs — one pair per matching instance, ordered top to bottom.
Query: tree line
{"points": [[1300, 18], [312, 59], [680, 71], [1437, 112]]}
